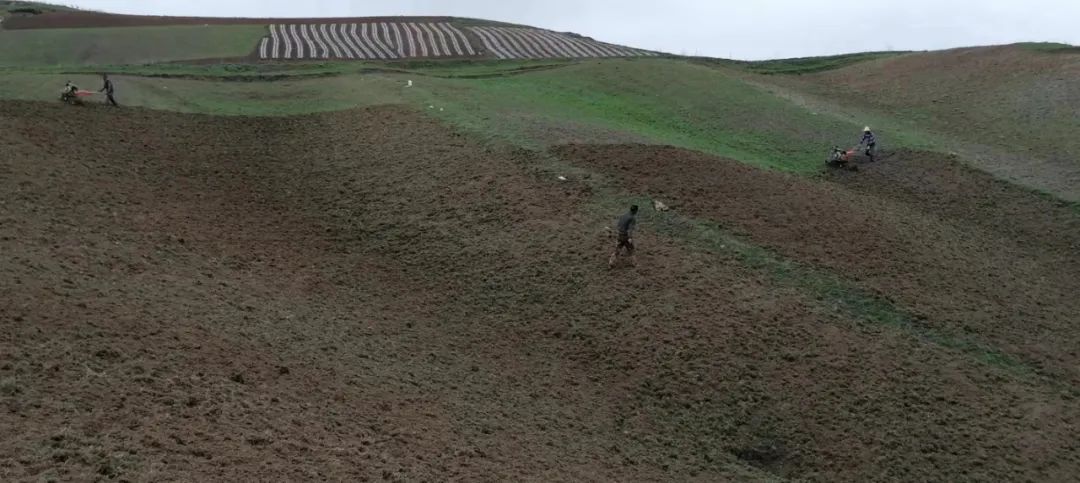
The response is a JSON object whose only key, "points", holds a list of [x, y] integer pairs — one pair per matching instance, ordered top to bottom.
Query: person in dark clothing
{"points": [[108, 90], [870, 141], [624, 230]]}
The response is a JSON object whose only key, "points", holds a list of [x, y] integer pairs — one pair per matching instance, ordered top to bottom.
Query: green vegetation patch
{"points": [[126, 45], [661, 101]]}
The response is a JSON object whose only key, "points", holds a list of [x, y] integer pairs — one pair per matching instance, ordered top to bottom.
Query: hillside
{"points": [[92, 38], [1012, 110], [382, 268], [360, 303]]}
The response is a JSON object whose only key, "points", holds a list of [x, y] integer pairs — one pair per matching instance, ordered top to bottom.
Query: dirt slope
{"points": [[972, 256], [224, 299]]}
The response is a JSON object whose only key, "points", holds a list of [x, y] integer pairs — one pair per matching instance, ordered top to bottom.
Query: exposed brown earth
{"points": [[943, 187], [972, 256], [195, 298]]}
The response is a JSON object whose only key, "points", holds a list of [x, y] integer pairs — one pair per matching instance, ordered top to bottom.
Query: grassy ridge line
{"points": [[801, 65]]}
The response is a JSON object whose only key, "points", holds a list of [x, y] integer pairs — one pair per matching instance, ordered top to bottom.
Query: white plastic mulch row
{"points": [[365, 41], [529, 43]]}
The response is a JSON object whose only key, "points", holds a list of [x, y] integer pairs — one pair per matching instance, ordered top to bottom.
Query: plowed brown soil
{"points": [[940, 186], [971, 256], [326, 298]]}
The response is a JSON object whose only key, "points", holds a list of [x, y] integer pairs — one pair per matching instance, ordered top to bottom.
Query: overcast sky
{"points": [[742, 29]]}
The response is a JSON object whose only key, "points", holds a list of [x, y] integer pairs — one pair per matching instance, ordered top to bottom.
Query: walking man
{"points": [[108, 90], [870, 141], [624, 230]]}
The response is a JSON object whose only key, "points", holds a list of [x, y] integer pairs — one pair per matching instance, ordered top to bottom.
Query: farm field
{"points": [[411, 40], [365, 41], [525, 43], [131, 45], [325, 252], [282, 280]]}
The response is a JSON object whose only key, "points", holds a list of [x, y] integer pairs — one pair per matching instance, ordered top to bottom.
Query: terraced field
{"points": [[411, 40], [372, 41], [525, 43]]}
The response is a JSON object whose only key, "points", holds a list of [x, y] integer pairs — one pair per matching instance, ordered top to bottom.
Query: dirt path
{"points": [[974, 257], [223, 299]]}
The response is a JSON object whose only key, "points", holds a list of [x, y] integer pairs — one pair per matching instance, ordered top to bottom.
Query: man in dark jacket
{"points": [[108, 90], [870, 141], [624, 230]]}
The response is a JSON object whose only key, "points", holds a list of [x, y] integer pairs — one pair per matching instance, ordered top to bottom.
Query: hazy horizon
{"points": [[737, 31]]}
